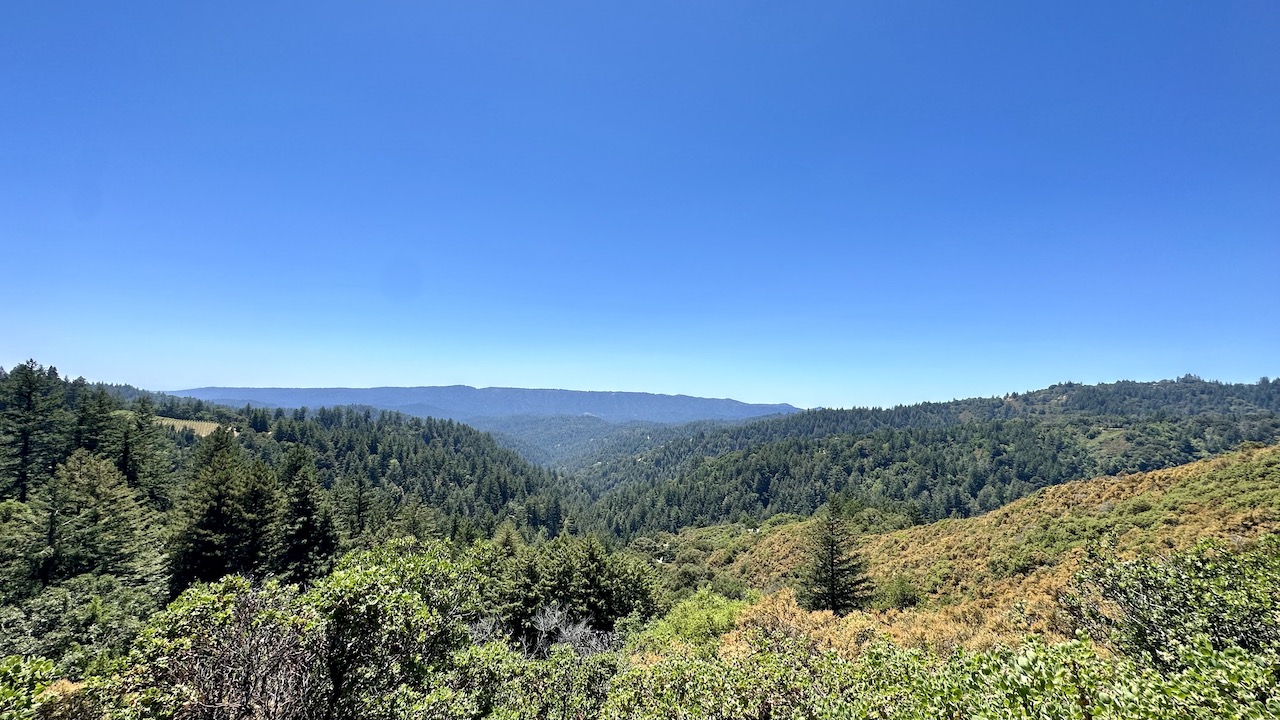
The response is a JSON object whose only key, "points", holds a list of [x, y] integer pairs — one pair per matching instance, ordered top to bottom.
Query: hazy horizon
{"points": [[832, 204], [71, 372]]}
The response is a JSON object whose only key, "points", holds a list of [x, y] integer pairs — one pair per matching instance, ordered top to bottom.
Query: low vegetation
{"points": [[344, 564], [978, 581]]}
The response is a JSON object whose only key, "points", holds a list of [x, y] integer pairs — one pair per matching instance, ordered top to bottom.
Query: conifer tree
{"points": [[93, 415], [33, 428], [138, 455], [259, 499], [415, 518], [212, 520], [90, 521], [507, 537], [307, 540], [19, 545], [834, 576]]}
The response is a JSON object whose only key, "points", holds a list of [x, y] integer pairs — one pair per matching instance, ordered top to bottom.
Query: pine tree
{"points": [[93, 415], [33, 428], [138, 455], [260, 500], [415, 518], [211, 520], [90, 521], [507, 537], [307, 540], [20, 543], [834, 577]]}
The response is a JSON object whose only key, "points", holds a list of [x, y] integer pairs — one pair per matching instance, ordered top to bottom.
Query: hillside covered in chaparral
{"points": [[1107, 551]]}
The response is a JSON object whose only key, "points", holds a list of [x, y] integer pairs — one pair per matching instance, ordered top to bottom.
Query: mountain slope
{"points": [[461, 402], [957, 458], [991, 578]]}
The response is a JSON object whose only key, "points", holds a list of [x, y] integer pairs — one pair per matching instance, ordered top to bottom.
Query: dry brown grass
{"points": [[201, 428], [996, 577], [779, 614]]}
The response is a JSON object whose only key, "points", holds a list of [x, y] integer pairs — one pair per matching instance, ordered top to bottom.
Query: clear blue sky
{"points": [[822, 203]]}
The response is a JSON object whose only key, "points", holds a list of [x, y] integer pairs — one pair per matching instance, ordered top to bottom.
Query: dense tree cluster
{"points": [[954, 471], [105, 513]]}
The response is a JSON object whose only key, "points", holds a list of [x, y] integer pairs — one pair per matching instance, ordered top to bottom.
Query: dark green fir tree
{"points": [[307, 540], [834, 576]]}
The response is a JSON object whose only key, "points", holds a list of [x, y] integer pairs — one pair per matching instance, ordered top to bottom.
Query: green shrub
{"points": [[899, 592], [1151, 608], [695, 623], [22, 679]]}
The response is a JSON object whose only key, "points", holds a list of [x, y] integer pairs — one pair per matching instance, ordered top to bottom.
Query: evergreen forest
{"points": [[1104, 551]]}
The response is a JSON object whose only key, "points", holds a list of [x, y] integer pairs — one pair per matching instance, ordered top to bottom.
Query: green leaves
{"points": [[1151, 609], [390, 616], [695, 623], [383, 624], [1031, 681], [21, 682]]}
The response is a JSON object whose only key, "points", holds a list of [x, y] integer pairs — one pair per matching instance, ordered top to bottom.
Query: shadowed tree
{"points": [[260, 500], [212, 520]]}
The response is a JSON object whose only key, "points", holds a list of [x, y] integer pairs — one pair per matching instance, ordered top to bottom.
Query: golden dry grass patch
{"points": [[201, 428], [996, 577]]}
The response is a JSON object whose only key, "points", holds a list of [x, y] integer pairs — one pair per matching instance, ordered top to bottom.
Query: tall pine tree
{"points": [[34, 425], [137, 448], [260, 500], [212, 521], [306, 540], [834, 577]]}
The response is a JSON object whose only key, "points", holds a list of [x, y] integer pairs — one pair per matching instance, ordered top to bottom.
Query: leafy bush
{"points": [[899, 592], [1151, 608], [385, 621], [695, 623], [1034, 680], [21, 682]]}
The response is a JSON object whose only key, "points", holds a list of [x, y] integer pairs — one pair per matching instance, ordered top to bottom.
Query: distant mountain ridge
{"points": [[463, 402]]}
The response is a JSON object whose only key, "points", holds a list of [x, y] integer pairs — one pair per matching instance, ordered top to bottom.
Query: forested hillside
{"points": [[461, 402], [573, 443], [929, 461], [100, 503], [170, 558]]}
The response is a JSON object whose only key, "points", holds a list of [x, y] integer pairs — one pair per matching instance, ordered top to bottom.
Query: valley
{"points": [[571, 561]]}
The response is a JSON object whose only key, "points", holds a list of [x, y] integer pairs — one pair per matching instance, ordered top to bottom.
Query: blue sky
{"points": [[844, 203]]}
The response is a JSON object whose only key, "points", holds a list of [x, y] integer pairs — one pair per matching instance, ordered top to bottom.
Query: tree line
{"points": [[928, 474]]}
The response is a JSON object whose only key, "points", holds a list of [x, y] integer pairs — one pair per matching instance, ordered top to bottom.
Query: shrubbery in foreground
{"points": [[387, 635]]}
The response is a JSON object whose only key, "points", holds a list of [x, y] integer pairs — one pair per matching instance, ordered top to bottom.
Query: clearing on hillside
{"points": [[200, 427]]}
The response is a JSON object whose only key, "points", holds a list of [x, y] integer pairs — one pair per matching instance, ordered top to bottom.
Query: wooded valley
{"points": [[1103, 551]]}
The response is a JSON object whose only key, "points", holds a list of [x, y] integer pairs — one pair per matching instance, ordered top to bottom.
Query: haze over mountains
{"points": [[465, 403]]}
